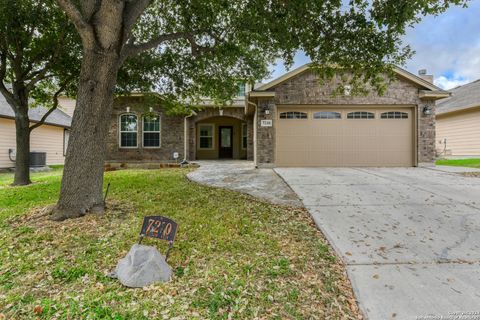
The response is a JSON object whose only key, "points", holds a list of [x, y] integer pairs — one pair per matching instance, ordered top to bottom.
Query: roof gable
{"points": [[398, 71]]}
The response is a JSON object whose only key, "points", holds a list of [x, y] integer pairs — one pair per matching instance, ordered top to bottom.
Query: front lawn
{"points": [[473, 163], [234, 256]]}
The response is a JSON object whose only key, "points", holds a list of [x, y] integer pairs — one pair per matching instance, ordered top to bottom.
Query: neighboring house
{"points": [[290, 121], [458, 122], [51, 137]]}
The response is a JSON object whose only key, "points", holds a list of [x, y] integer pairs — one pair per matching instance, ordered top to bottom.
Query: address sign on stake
{"points": [[161, 228]]}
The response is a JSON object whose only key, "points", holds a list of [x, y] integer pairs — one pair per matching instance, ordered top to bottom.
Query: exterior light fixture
{"points": [[347, 90], [128, 109], [266, 109], [427, 110], [220, 112]]}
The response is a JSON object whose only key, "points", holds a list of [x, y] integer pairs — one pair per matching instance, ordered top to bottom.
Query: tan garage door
{"points": [[344, 137]]}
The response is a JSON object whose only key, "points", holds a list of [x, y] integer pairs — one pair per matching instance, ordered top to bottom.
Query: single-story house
{"points": [[293, 120], [458, 122], [51, 137]]}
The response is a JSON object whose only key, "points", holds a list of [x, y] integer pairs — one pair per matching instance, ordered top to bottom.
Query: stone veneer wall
{"points": [[305, 89], [426, 134], [171, 135], [266, 135]]}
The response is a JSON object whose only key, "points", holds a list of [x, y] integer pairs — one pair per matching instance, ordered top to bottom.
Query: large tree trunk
{"points": [[22, 161], [82, 181]]}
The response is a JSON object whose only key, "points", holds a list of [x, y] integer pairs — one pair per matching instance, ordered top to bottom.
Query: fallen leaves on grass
{"points": [[234, 258]]}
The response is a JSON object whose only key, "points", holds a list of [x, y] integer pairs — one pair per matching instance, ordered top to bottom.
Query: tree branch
{"points": [[89, 7], [133, 10], [84, 29], [197, 49], [131, 50], [3, 66], [3, 71], [41, 74], [53, 108]]}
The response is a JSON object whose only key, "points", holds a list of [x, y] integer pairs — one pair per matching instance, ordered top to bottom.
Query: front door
{"points": [[226, 143]]}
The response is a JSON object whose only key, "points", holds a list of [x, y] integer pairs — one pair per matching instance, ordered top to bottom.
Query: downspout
{"points": [[254, 133], [185, 137]]}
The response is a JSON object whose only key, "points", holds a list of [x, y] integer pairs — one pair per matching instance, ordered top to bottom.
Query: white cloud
{"points": [[448, 46], [446, 83]]}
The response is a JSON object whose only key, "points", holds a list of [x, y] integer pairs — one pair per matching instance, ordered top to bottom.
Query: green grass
{"points": [[473, 163], [234, 257]]}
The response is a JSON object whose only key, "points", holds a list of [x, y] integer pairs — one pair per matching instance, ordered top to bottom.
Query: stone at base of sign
{"points": [[142, 266]]}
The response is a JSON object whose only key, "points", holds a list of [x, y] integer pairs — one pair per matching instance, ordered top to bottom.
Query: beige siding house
{"points": [[458, 122], [52, 137]]}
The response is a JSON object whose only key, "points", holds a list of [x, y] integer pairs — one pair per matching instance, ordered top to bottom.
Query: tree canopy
{"points": [[206, 48]]}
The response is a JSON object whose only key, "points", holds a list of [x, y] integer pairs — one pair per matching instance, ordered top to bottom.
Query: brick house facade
{"points": [[241, 132]]}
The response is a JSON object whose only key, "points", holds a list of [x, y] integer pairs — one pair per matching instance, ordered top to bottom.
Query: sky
{"points": [[448, 46]]}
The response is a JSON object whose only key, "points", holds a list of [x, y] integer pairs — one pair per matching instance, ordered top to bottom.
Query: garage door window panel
{"points": [[292, 115], [327, 115], [361, 115], [394, 115]]}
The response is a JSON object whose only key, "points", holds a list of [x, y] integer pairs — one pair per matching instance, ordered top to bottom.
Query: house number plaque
{"points": [[266, 123], [159, 227]]}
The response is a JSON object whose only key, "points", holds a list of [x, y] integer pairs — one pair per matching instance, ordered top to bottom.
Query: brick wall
{"points": [[305, 89], [426, 134], [171, 135], [266, 135]]}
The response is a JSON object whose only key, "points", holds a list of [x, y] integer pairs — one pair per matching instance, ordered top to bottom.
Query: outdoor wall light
{"points": [[347, 90], [128, 109], [266, 109], [427, 111], [220, 112]]}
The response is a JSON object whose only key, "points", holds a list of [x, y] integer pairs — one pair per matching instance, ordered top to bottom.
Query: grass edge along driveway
{"points": [[472, 163], [234, 256]]}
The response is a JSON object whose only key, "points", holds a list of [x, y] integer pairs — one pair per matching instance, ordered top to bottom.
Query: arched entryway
{"points": [[220, 137]]}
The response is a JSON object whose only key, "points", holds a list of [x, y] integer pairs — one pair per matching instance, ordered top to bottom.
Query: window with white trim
{"points": [[241, 90], [293, 115], [327, 115], [361, 115], [394, 115], [128, 131], [151, 131], [205, 134], [244, 136]]}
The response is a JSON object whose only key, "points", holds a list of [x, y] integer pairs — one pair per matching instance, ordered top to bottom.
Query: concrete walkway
{"points": [[242, 176], [410, 236]]}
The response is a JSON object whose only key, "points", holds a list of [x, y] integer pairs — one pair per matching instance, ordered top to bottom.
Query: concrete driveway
{"points": [[410, 236]]}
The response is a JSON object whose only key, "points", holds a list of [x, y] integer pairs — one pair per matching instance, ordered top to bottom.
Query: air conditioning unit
{"points": [[38, 159]]}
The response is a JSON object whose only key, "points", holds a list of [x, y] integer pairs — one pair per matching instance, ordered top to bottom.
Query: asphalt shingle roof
{"points": [[463, 97], [57, 117]]}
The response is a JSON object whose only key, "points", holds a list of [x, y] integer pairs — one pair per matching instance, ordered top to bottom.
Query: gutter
{"points": [[463, 109], [36, 121], [254, 133], [185, 136]]}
